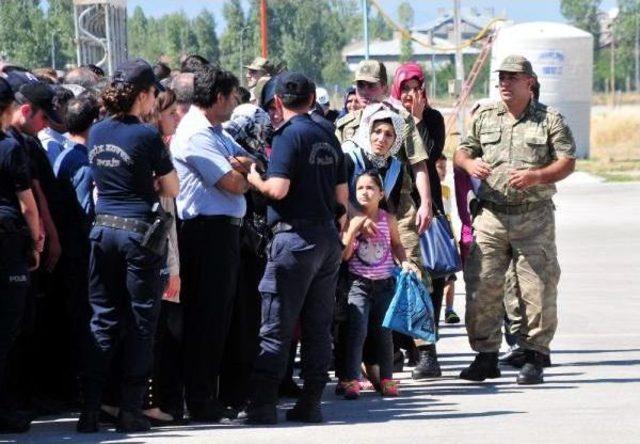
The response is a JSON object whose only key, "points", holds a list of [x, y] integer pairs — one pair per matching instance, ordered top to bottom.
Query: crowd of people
{"points": [[169, 237]]}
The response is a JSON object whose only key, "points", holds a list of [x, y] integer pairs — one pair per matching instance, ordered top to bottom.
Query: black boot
{"points": [[514, 357], [428, 366], [484, 366], [531, 372], [262, 408], [307, 409], [13, 422], [88, 422], [132, 422]]}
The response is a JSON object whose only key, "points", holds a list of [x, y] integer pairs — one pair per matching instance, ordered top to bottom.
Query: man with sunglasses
{"points": [[519, 149]]}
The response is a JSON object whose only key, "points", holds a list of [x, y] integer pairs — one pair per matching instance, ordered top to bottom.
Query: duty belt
{"points": [[514, 209], [122, 223], [297, 224]]}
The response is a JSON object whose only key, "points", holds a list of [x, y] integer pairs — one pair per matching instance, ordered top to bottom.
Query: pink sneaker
{"points": [[389, 388], [351, 389]]}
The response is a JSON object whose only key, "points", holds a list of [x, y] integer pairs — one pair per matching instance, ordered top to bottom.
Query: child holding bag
{"points": [[371, 281]]}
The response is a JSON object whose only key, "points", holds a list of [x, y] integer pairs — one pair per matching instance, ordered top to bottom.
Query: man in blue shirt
{"points": [[212, 169], [75, 181], [307, 187]]}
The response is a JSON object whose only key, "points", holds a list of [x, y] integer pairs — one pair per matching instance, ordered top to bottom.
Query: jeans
{"points": [[299, 282], [368, 304]]}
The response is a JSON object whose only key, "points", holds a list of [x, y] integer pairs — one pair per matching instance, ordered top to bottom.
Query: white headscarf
{"points": [[362, 138]]}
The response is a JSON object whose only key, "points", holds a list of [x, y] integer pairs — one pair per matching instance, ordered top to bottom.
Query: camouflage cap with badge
{"points": [[516, 63], [371, 71]]}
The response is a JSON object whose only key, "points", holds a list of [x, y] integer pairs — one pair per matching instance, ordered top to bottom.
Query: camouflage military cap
{"points": [[516, 63], [260, 64], [371, 71]]}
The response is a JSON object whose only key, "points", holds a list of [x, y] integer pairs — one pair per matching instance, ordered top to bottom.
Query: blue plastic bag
{"points": [[439, 251], [410, 311]]}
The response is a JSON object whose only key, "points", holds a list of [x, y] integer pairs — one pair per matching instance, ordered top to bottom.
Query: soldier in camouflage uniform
{"points": [[519, 149]]}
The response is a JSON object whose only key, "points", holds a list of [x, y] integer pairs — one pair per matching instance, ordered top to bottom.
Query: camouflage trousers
{"points": [[411, 241], [529, 241], [512, 302]]}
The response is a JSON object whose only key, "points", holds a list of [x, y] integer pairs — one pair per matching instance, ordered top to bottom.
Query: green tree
{"points": [[584, 15], [405, 16], [204, 28], [61, 30], [23, 33], [137, 33], [235, 41]]}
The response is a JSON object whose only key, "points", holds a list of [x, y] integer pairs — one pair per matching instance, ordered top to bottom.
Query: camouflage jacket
{"points": [[534, 140]]}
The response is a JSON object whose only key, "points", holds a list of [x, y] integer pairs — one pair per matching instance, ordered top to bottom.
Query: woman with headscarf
{"points": [[409, 88], [350, 102], [365, 151]]}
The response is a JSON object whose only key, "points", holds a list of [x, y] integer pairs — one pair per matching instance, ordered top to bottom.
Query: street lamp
{"points": [[242, 53]]}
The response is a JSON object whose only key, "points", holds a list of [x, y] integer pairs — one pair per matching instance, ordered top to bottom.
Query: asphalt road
{"points": [[591, 394]]}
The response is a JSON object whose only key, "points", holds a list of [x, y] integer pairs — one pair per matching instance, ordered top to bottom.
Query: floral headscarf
{"points": [[250, 126], [362, 138]]}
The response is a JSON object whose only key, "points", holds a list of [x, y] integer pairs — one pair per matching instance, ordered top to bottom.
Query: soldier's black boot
{"points": [[514, 357], [428, 366], [484, 366], [532, 370], [263, 402], [308, 407]]}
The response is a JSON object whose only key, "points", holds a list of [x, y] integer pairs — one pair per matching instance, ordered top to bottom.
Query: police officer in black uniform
{"points": [[130, 167], [306, 183], [20, 247]]}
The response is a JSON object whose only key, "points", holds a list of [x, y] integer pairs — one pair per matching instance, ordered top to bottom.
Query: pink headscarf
{"points": [[405, 72]]}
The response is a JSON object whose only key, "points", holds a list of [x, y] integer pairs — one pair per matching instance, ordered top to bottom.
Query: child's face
{"points": [[382, 137], [441, 168], [368, 193]]}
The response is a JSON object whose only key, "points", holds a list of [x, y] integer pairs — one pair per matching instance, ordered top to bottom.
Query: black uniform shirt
{"points": [[125, 156], [311, 158], [14, 177]]}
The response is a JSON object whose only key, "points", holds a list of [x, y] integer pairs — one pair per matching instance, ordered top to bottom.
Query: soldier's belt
{"points": [[514, 209]]}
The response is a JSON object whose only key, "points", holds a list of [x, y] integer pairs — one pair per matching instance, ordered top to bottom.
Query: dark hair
{"points": [[193, 62], [95, 69], [161, 70], [46, 75], [210, 81], [535, 89], [245, 95], [61, 97], [119, 99], [165, 99], [295, 102], [81, 113], [442, 157], [374, 174]]}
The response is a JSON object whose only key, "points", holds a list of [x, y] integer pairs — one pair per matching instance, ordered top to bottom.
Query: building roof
{"points": [[470, 16], [382, 48]]}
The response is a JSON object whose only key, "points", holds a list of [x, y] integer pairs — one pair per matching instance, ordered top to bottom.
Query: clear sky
{"points": [[425, 10]]}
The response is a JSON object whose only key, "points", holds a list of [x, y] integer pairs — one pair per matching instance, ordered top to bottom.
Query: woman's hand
{"points": [[418, 106], [34, 260], [172, 291]]}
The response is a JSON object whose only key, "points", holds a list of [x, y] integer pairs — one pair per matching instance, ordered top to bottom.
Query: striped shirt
{"points": [[372, 257]]}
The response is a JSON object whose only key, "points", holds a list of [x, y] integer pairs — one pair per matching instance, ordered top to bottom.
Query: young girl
{"points": [[371, 281]]}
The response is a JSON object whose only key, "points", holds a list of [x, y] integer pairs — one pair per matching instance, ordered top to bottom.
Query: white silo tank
{"points": [[562, 57]]}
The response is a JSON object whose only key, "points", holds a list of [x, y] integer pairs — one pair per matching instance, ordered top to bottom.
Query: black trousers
{"points": [[209, 264]]}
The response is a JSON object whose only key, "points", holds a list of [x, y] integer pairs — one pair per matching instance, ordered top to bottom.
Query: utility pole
{"points": [[263, 27], [365, 27], [457, 31], [53, 50], [637, 51], [613, 67]]}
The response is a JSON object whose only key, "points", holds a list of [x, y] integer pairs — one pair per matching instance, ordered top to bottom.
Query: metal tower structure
{"points": [[101, 32]]}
